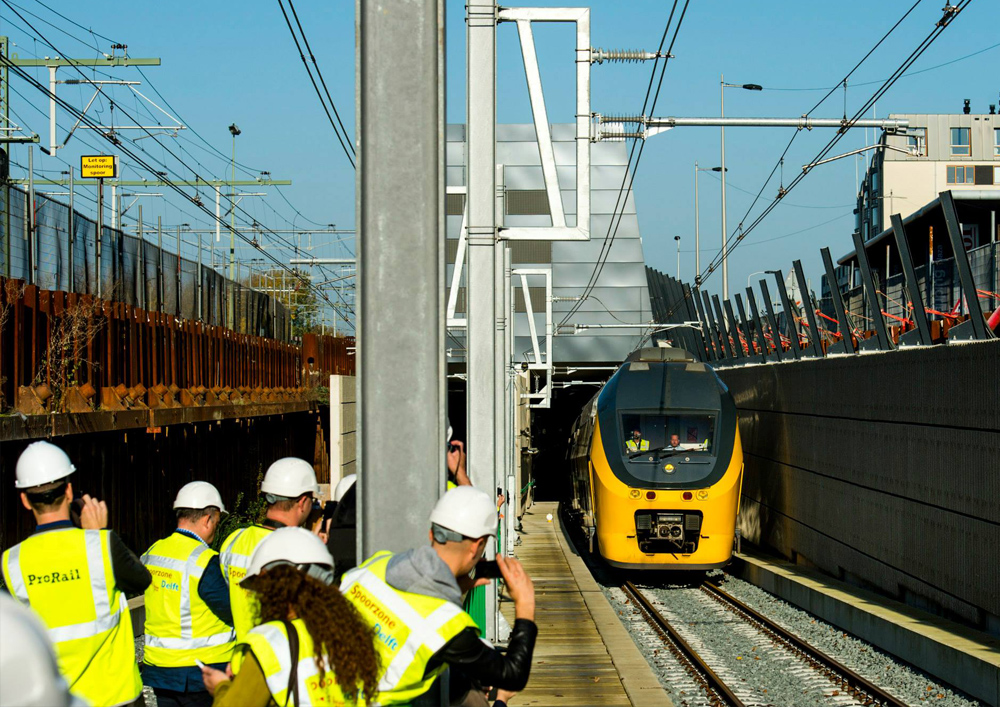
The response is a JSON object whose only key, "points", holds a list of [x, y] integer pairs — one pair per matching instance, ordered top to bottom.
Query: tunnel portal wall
{"points": [[882, 469]]}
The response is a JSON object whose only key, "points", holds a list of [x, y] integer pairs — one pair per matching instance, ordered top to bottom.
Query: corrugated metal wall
{"points": [[882, 469]]}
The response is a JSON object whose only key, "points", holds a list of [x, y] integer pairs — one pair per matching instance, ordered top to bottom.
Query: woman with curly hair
{"points": [[310, 646]]}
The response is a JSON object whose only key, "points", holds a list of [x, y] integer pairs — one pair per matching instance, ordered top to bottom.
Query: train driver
{"points": [[675, 442], [637, 443]]}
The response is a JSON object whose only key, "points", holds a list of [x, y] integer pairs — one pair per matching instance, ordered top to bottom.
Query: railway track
{"points": [[822, 678]]}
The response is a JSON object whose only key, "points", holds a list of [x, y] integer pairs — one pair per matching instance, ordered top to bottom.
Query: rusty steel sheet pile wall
{"points": [[73, 353], [882, 469], [138, 472]]}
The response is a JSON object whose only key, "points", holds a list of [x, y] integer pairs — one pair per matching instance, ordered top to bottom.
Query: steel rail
{"points": [[833, 668], [703, 670]]}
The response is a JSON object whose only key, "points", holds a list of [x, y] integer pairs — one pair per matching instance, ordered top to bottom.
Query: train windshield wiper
{"points": [[654, 450]]}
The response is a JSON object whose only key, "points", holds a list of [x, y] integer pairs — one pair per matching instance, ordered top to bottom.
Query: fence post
{"points": [[71, 223], [159, 264]]}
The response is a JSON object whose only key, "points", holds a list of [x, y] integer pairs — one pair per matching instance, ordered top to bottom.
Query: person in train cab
{"points": [[675, 442], [637, 443], [290, 489], [76, 578], [413, 602], [188, 615], [310, 646], [29, 672]]}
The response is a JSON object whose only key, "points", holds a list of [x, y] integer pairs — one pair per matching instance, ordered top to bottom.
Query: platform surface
{"points": [[583, 656]]}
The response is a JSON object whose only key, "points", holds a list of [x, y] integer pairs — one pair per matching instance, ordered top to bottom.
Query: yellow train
{"points": [[657, 465]]}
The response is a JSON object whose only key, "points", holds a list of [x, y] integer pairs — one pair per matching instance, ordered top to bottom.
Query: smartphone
{"points": [[488, 569]]}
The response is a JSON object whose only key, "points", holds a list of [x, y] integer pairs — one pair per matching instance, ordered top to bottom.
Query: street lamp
{"points": [[722, 104], [234, 131], [697, 213], [678, 239]]}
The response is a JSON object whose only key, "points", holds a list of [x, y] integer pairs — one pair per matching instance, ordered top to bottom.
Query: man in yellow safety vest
{"points": [[636, 443], [290, 489], [76, 579], [413, 602], [188, 615]]}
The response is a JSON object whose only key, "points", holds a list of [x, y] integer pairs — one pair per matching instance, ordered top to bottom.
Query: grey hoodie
{"points": [[422, 571]]}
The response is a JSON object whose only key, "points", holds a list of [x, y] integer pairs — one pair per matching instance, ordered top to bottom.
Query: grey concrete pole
{"points": [[400, 215], [483, 356]]}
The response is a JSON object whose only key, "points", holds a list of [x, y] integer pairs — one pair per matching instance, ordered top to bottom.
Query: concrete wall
{"points": [[343, 427], [881, 469]]}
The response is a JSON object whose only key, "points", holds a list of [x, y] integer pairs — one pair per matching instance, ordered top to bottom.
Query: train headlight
{"points": [[634, 493], [702, 495]]}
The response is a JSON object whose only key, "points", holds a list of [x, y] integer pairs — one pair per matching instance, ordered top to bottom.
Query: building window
{"points": [[916, 141], [961, 141], [996, 141], [961, 174], [996, 175]]}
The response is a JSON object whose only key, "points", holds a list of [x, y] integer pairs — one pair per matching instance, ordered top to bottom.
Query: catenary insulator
{"points": [[599, 56], [604, 119]]}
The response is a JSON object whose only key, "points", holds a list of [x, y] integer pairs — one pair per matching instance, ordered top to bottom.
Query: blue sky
{"points": [[229, 62]]}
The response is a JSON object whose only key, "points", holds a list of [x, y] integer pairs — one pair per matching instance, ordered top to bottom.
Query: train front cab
{"points": [[617, 507], [672, 510]]}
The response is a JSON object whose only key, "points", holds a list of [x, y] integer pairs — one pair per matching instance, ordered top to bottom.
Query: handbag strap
{"points": [[293, 672]]}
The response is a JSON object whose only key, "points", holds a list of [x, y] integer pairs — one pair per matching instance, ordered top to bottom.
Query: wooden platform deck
{"points": [[572, 663]]}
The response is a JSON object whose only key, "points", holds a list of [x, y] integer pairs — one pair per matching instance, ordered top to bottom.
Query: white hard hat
{"points": [[41, 463], [290, 477], [343, 486], [199, 494], [466, 510], [292, 546], [29, 674]]}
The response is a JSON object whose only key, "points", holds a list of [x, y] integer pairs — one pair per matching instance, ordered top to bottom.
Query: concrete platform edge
{"points": [[966, 659], [640, 683]]}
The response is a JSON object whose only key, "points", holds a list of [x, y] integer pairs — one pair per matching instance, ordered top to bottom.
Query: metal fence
{"points": [[125, 268], [945, 290]]}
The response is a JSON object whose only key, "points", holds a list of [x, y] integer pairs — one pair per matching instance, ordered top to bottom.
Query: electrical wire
{"points": [[950, 13], [326, 110], [612, 232]]}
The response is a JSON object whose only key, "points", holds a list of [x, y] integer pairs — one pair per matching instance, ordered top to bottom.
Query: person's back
{"points": [[290, 488], [234, 556], [65, 575], [75, 579], [413, 602], [410, 626], [310, 647], [274, 653]]}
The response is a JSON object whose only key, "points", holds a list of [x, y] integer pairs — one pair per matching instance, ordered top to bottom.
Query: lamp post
{"points": [[722, 105], [234, 131], [697, 215], [678, 239]]}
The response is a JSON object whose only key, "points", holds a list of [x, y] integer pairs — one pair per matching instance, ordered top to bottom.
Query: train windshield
{"points": [[668, 432]]}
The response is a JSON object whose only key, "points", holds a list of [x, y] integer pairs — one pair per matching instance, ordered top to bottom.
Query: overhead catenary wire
{"points": [[951, 11], [155, 119], [333, 124], [138, 159], [250, 171], [629, 176]]}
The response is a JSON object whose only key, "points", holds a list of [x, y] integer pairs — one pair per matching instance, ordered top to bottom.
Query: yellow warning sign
{"points": [[98, 166]]}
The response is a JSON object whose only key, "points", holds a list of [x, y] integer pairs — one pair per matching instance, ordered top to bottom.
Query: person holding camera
{"points": [[76, 578], [413, 602]]}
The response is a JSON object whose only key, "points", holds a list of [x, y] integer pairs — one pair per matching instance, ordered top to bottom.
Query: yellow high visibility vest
{"points": [[642, 446], [235, 560], [66, 576], [179, 625], [409, 628], [269, 643]]}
